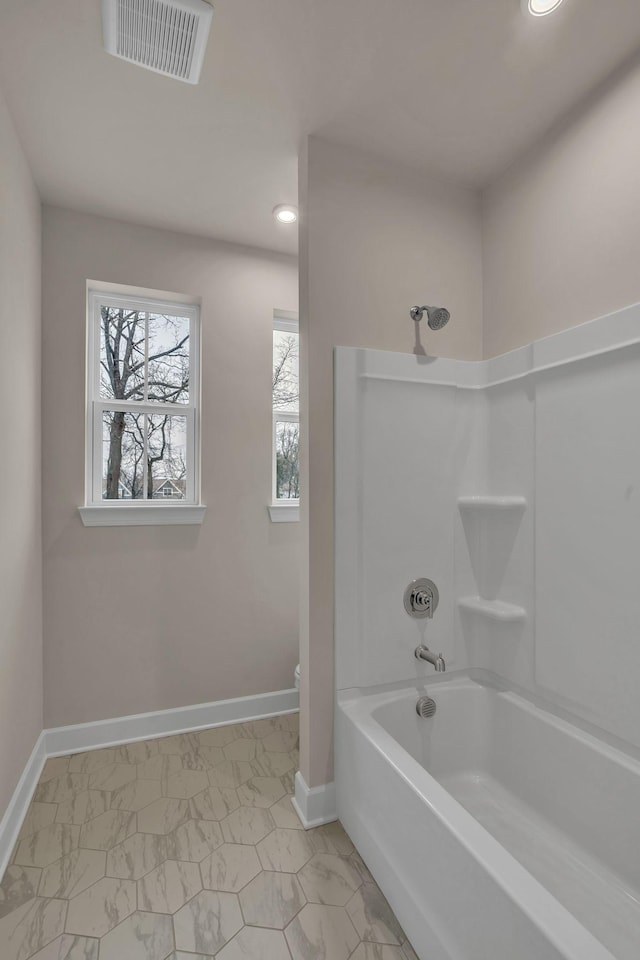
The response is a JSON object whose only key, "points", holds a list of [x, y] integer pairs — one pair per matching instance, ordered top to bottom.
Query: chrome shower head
{"points": [[437, 317]]}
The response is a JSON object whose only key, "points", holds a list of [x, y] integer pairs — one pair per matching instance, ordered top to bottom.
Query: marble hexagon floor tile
{"points": [[221, 736], [280, 741], [179, 743], [244, 749], [137, 752], [92, 761], [271, 764], [54, 767], [158, 767], [230, 773], [112, 776], [185, 784], [61, 788], [261, 791], [135, 795], [214, 803], [83, 806], [283, 813], [39, 815], [163, 816], [247, 825], [107, 830], [331, 838], [194, 840], [47, 845], [188, 848], [284, 850], [136, 856], [230, 867], [69, 876], [329, 879], [18, 885], [169, 886], [272, 900], [101, 907], [372, 916], [207, 922], [30, 927], [321, 933], [142, 936], [255, 944], [69, 947], [377, 951]]}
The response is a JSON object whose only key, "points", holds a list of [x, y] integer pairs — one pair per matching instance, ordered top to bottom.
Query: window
{"points": [[142, 415], [286, 417]]}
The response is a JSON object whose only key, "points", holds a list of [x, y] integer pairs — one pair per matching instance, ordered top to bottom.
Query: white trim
{"points": [[286, 320], [96, 404], [284, 511], [155, 513], [162, 723], [61, 741], [314, 805], [15, 813]]}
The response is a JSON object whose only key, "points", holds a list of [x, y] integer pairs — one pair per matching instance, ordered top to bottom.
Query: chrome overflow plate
{"points": [[421, 598], [426, 707]]}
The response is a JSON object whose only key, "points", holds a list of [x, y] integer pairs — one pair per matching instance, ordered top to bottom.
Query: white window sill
{"points": [[285, 511], [134, 515]]}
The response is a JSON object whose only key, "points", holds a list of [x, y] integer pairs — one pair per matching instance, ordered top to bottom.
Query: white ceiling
{"points": [[460, 87]]}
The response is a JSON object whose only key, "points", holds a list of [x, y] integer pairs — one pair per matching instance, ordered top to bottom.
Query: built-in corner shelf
{"points": [[492, 503], [493, 609]]}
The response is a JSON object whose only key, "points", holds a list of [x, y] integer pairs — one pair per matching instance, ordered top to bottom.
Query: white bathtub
{"points": [[497, 830]]}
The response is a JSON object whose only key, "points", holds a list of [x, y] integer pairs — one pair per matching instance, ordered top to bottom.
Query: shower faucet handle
{"points": [[421, 599]]}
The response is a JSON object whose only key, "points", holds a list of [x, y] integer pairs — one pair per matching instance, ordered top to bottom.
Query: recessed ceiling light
{"points": [[540, 8], [285, 213]]}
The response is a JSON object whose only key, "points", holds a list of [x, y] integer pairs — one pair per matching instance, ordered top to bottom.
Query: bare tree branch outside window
{"points": [[143, 357], [286, 384], [286, 404]]}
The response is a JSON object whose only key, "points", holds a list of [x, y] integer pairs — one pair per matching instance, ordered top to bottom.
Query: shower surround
{"points": [[513, 484]]}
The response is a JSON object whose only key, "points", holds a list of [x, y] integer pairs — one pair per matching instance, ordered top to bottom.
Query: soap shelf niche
{"points": [[492, 503], [491, 525], [493, 609]]}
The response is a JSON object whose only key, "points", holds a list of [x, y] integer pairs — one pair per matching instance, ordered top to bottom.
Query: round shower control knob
{"points": [[421, 598]]}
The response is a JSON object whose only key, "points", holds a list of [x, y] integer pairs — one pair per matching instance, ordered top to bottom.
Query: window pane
{"points": [[122, 334], [122, 356], [168, 358], [286, 390], [287, 442], [122, 455], [167, 457], [129, 470]]}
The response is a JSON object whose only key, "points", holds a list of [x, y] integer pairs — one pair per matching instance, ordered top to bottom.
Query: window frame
{"points": [[283, 508], [142, 510]]}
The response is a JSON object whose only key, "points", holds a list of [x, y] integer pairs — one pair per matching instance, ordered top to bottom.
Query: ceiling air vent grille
{"points": [[168, 36]]}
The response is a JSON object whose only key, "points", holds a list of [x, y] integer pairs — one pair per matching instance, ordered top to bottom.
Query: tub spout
{"points": [[423, 653]]}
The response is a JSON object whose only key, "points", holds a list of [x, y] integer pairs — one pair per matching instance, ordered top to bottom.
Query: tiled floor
{"points": [[188, 848]]}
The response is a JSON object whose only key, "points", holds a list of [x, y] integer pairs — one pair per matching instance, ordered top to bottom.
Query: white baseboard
{"points": [[59, 741], [314, 805], [15, 813]]}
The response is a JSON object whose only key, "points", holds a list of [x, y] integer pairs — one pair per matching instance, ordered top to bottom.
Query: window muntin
{"points": [[141, 390], [286, 411]]}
